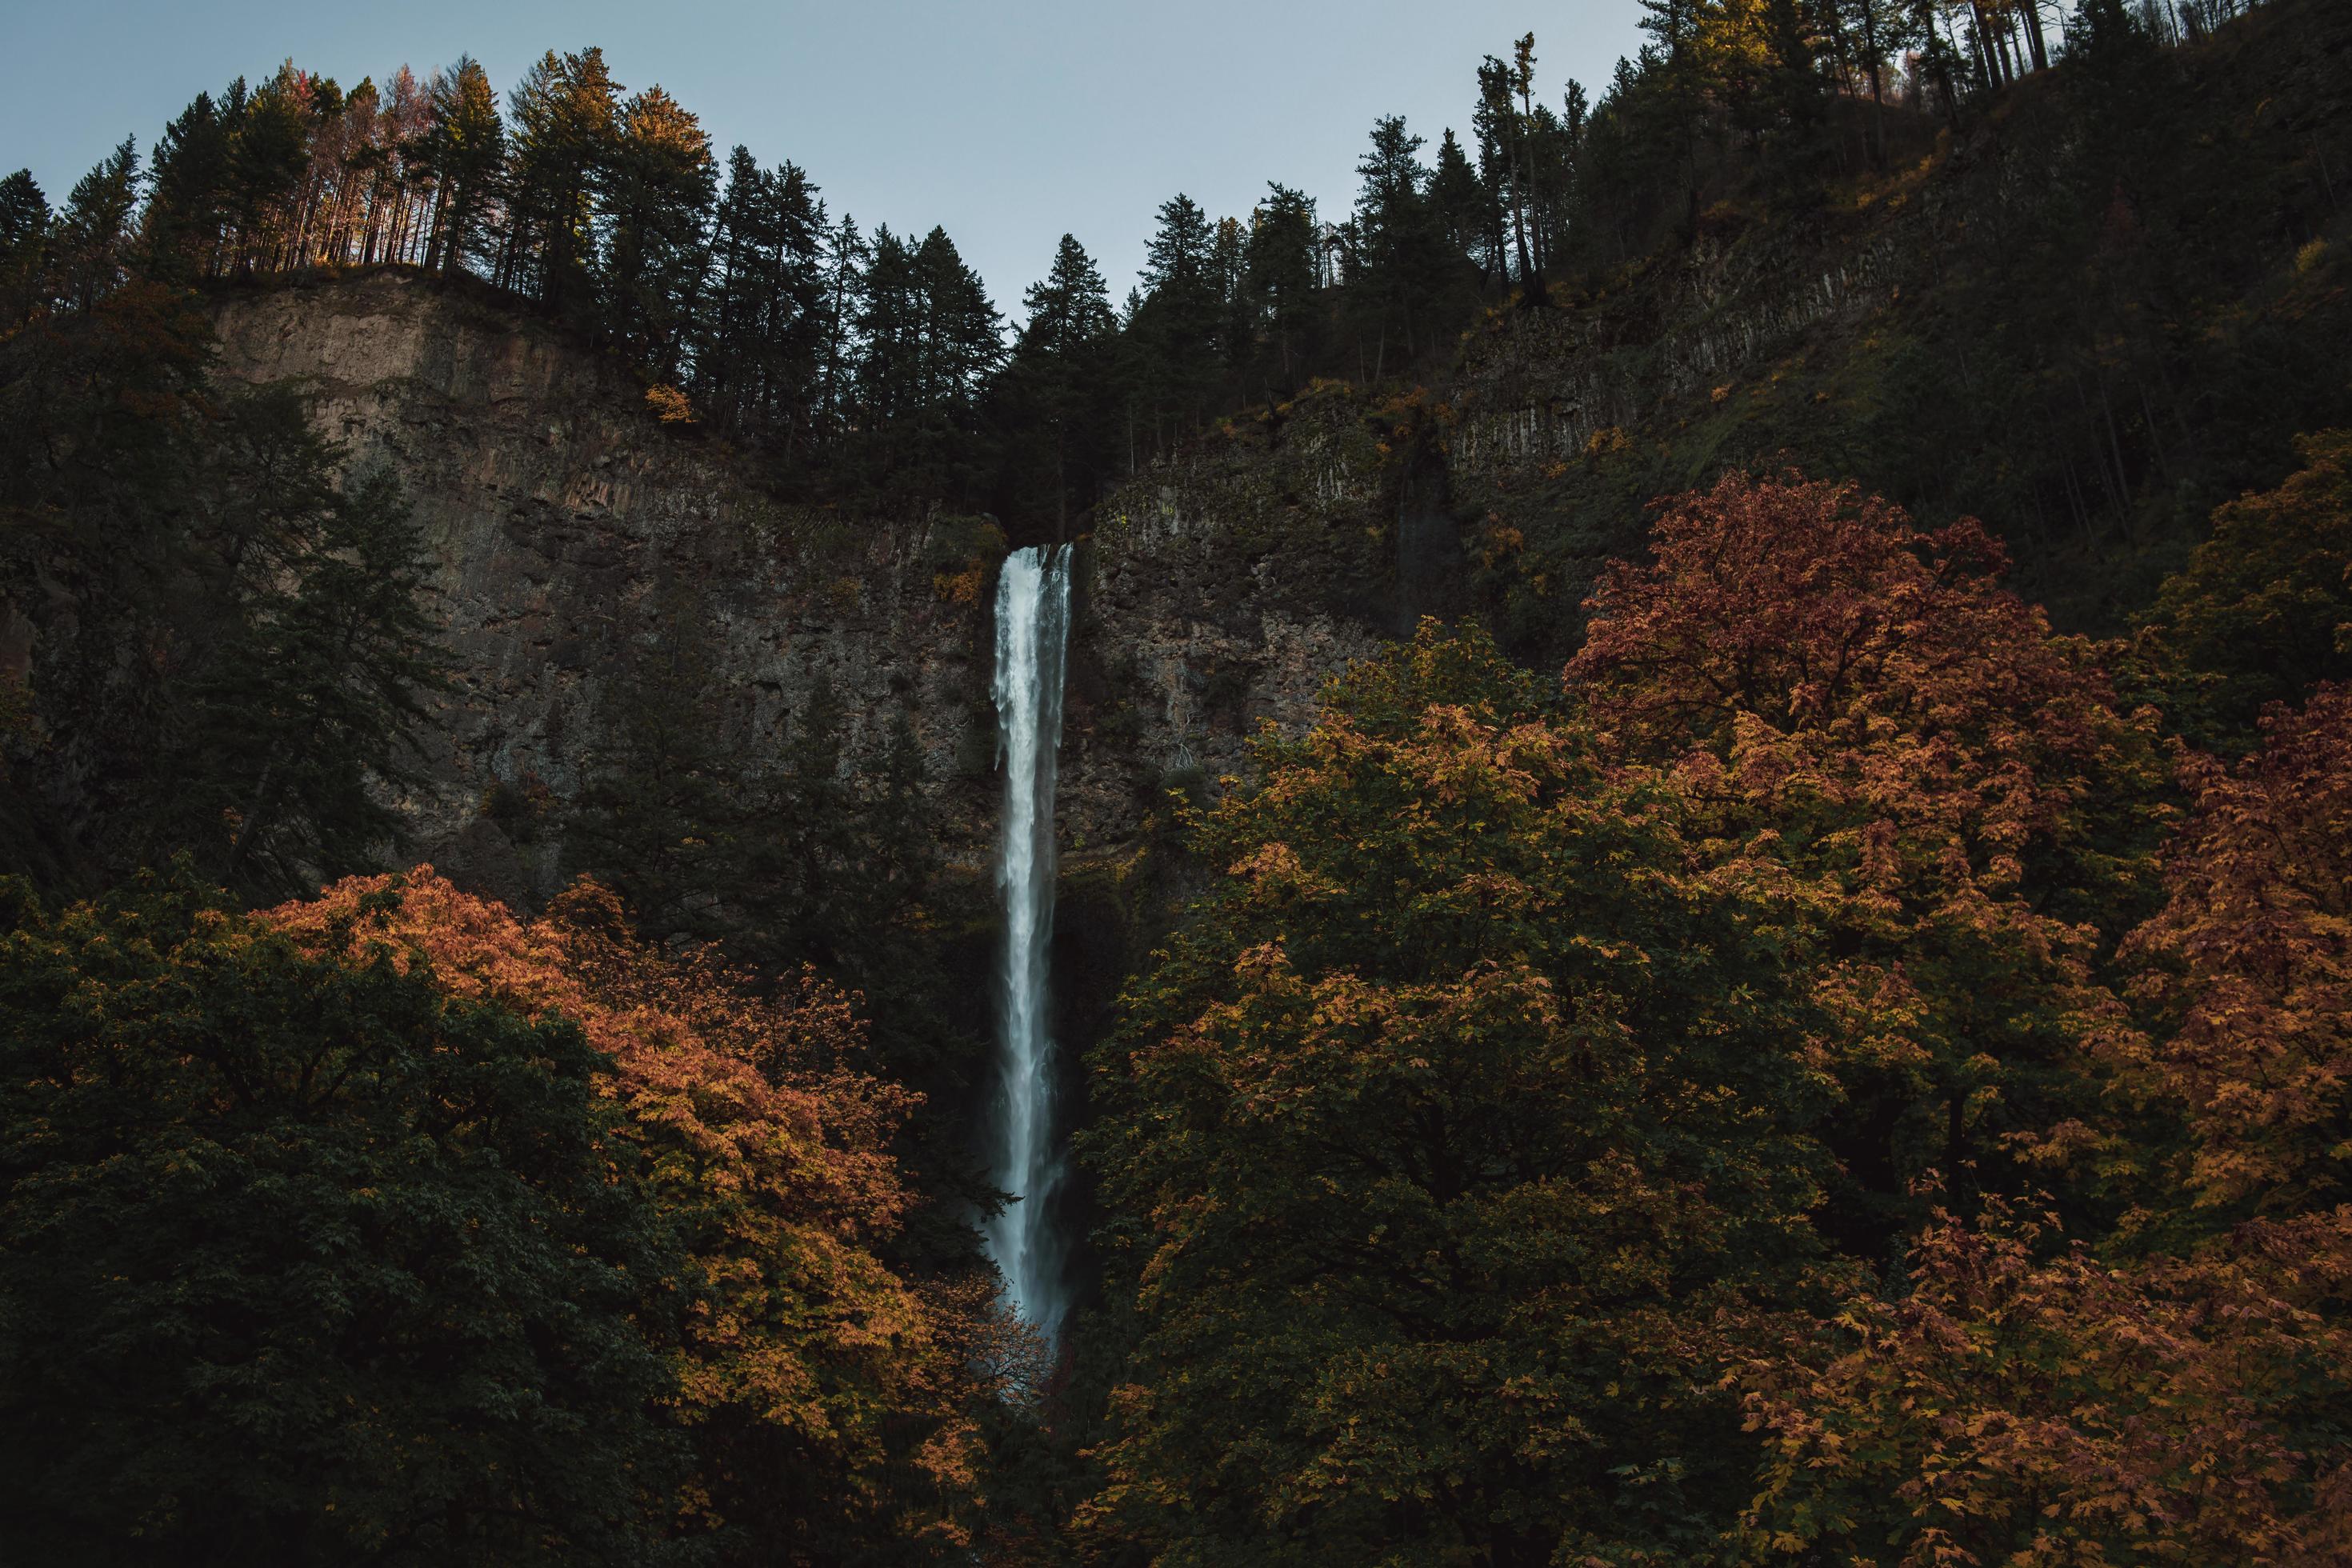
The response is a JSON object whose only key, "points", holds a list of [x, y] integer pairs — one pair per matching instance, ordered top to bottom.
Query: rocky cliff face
{"points": [[567, 522], [569, 526], [1219, 591], [1223, 591]]}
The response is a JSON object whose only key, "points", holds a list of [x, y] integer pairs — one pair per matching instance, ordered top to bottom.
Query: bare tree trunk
{"points": [[2034, 35]]}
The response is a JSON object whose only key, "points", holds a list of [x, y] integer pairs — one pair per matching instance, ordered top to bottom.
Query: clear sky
{"points": [[1009, 122]]}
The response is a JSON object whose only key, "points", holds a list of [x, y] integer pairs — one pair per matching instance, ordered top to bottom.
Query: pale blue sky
{"points": [[1009, 123]]}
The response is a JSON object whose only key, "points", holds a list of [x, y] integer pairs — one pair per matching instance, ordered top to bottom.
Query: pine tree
{"points": [[1505, 123], [565, 126], [465, 146], [269, 149], [188, 194], [657, 201], [1464, 206], [92, 237], [24, 240], [842, 254], [1399, 265], [1283, 271], [1180, 323], [931, 341], [963, 346], [1058, 390], [889, 396], [307, 663]]}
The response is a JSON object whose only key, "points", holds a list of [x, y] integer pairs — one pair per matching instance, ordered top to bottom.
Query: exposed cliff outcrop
{"points": [[1979, 332], [566, 522], [568, 525]]}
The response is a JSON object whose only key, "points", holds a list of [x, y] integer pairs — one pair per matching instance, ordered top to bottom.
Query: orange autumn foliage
{"points": [[1828, 656], [1862, 699], [2249, 967], [813, 1380], [2012, 1400], [2032, 1410]]}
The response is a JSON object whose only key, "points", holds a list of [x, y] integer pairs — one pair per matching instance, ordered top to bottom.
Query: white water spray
{"points": [[1033, 616]]}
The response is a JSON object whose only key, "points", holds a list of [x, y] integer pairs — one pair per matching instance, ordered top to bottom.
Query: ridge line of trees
{"points": [[872, 367]]}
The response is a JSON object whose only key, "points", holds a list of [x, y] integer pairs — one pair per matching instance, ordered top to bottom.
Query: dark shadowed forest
{"points": [[1798, 1009]]}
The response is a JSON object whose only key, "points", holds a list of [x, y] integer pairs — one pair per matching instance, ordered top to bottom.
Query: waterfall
{"points": [[1032, 613]]}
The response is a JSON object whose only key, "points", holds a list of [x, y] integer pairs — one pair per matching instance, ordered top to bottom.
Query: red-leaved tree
{"points": [[1861, 699]]}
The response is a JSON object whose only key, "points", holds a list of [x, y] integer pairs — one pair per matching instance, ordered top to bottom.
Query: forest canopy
{"points": [[1800, 1016]]}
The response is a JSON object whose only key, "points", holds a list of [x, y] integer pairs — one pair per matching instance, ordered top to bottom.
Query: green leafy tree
{"points": [[2263, 611], [1459, 1128], [304, 1261]]}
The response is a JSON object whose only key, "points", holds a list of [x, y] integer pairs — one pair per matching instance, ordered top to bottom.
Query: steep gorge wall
{"points": [[572, 533], [1219, 591]]}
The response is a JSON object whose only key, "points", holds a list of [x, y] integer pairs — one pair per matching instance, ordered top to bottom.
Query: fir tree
{"points": [[565, 118], [465, 146], [188, 194], [657, 202], [1462, 205], [93, 234], [24, 241], [1398, 263], [1283, 269], [1180, 321], [1059, 388], [308, 661]]}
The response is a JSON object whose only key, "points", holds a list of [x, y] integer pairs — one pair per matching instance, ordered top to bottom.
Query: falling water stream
{"points": [[1032, 614]]}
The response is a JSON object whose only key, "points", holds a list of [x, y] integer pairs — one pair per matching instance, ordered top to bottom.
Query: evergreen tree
{"points": [[565, 117], [1506, 126], [464, 146], [269, 149], [187, 200], [657, 202], [1463, 206], [92, 237], [24, 242], [842, 256], [1400, 265], [1284, 272], [1179, 325], [963, 348], [760, 363], [1057, 392], [889, 401], [306, 660], [304, 1261]]}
